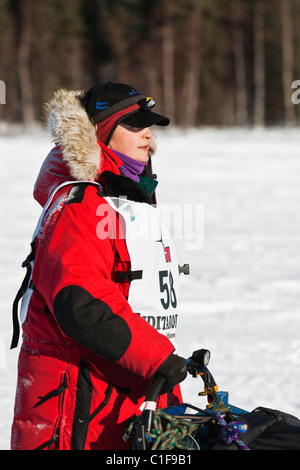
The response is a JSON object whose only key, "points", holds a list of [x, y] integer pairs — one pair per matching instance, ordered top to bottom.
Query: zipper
{"points": [[60, 412], [56, 433]]}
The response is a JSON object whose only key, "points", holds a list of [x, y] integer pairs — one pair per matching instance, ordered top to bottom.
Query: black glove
{"points": [[174, 369]]}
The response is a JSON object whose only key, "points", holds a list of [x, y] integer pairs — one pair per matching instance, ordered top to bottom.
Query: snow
{"points": [[237, 193]]}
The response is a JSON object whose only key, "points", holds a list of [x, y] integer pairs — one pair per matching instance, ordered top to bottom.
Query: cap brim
{"points": [[142, 119]]}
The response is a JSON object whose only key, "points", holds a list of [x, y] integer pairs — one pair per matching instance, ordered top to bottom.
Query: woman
{"points": [[100, 310]]}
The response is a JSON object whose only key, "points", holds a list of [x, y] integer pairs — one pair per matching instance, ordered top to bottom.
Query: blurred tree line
{"points": [[206, 62]]}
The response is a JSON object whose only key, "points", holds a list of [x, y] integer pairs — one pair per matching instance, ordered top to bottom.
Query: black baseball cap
{"points": [[108, 99]]}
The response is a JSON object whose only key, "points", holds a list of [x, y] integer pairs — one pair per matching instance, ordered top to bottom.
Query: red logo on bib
{"points": [[167, 254]]}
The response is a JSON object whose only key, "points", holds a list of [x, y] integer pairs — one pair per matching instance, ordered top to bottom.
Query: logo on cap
{"points": [[134, 92], [101, 105]]}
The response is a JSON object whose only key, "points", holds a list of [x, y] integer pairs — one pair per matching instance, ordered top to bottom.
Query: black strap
{"points": [[128, 275], [15, 318], [16, 326], [53, 393], [48, 396], [104, 403], [82, 410], [277, 414], [48, 443]]}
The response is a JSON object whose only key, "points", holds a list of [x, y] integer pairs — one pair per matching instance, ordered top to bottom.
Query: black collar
{"points": [[119, 185]]}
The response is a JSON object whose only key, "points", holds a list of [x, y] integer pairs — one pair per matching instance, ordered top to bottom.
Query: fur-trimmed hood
{"points": [[75, 134], [77, 155]]}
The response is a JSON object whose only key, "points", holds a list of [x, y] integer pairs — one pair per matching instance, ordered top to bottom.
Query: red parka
{"points": [[86, 358]]}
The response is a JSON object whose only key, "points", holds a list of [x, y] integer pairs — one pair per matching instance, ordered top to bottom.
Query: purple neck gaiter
{"points": [[131, 168]]}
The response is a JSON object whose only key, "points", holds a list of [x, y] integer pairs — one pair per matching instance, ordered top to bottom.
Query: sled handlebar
{"points": [[196, 366], [155, 387], [150, 401], [145, 424]]}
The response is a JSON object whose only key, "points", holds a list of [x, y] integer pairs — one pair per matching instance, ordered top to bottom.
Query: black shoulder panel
{"points": [[76, 194], [91, 322]]}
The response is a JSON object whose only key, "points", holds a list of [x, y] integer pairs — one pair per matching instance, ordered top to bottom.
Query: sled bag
{"points": [[267, 430]]}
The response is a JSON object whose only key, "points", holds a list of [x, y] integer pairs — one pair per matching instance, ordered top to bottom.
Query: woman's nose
{"points": [[147, 133]]}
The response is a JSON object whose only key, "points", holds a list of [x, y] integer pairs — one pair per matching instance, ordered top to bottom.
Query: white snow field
{"points": [[235, 197]]}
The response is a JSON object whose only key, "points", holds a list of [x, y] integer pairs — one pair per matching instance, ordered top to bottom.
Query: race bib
{"points": [[155, 295]]}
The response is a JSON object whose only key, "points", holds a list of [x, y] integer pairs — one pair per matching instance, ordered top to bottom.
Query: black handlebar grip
{"points": [[150, 400]]}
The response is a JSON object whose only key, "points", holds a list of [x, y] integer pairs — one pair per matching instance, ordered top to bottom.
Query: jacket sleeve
{"points": [[72, 272]]}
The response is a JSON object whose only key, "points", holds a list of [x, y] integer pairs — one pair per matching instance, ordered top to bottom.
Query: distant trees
{"points": [[24, 45], [287, 58], [220, 62], [259, 76]]}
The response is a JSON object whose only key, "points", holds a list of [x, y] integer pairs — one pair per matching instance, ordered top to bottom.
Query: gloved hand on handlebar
{"points": [[174, 369]]}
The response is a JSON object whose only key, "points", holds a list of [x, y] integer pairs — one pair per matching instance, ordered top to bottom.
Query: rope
{"points": [[175, 431], [167, 432], [229, 432]]}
